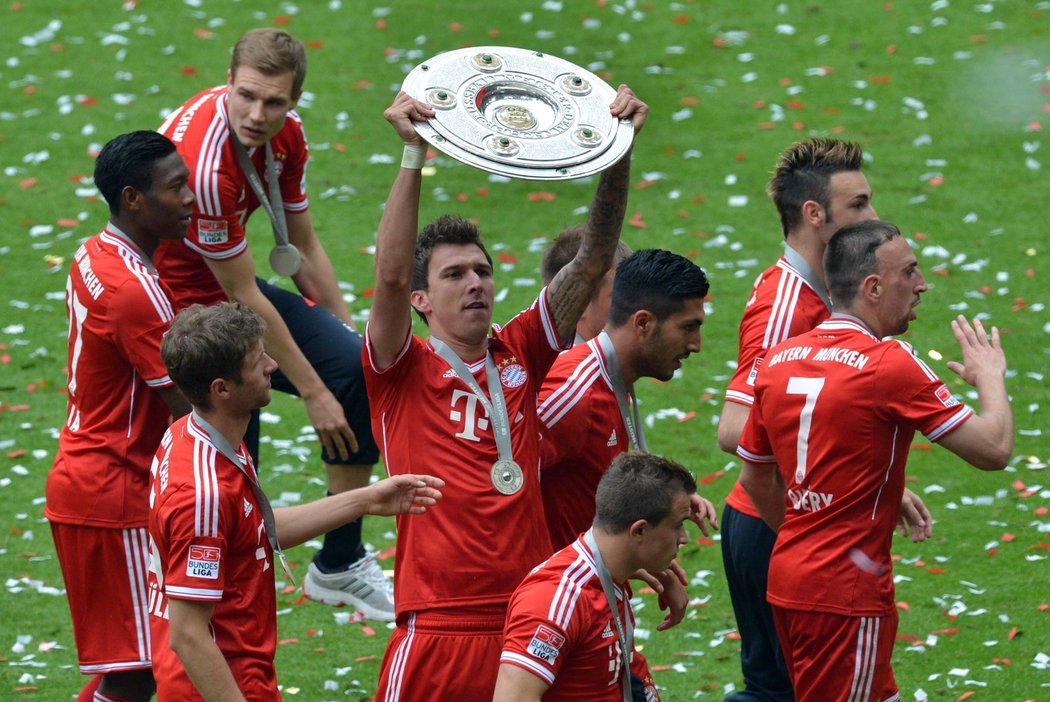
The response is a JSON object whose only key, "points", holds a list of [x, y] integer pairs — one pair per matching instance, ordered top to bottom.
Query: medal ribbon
{"points": [[274, 209], [146, 260], [497, 409], [632, 419], [269, 523], [624, 627]]}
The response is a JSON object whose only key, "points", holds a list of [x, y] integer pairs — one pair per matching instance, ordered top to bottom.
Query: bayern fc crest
{"points": [[513, 376]]}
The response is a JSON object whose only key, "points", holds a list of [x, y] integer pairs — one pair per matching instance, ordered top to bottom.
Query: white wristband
{"points": [[414, 156]]}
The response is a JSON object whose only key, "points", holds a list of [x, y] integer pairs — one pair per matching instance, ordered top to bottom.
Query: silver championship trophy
{"points": [[519, 113]]}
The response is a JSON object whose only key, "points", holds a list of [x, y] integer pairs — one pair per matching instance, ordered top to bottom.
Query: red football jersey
{"points": [[225, 200], [783, 303], [118, 312], [836, 410], [427, 420], [583, 432], [208, 543], [559, 628]]}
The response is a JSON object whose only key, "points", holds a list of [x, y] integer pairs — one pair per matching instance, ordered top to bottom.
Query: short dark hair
{"points": [[271, 52], [129, 161], [804, 173], [446, 229], [564, 248], [851, 256], [654, 280], [205, 343], [639, 486]]}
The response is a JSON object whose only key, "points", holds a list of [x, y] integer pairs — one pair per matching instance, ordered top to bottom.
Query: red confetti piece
{"points": [[16, 7], [681, 19], [281, 20], [380, 24], [455, 27], [202, 33], [494, 33], [978, 39], [718, 42], [315, 44], [56, 48], [891, 49], [189, 70], [881, 80], [785, 82], [362, 85], [29, 89], [688, 100], [760, 104], [796, 105], [766, 126], [798, 126], [341, 148], [741, 156], [937, 181], [27, 183], [643, 184], [482, 192], [462, 197], [542, 197], [637, 221], [66, 222], [505, 257], [1029, 272], [368, 292], [5, 359], [686, 417], [921, 447], [17, 453], [711, 477], [1040, 511], [1008, 537], [704, 541], [993, 552], [387, 553], [934, 570], [647, 591], [303, 599], [904, 606], [1044, 607], [367, 630], [947, 632], [1013, 633], [733, 636], [910, 638], [283, 642], [362, 659], [1001, 661], [659, 668], [966, 695]]}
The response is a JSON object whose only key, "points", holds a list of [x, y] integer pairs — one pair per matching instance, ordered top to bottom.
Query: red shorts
{"points": [[105, 574], [451, 655], [836, 657]]}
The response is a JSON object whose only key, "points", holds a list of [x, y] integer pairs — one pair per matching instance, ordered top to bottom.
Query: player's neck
{"points": [[146, 244], [809, 245], [621, 341], [231, 426], [615, 554]]}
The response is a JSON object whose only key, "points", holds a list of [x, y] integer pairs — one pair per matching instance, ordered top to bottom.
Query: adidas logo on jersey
{"points": [[449, 374], [612, 439], [247, 507], [608, 633]]}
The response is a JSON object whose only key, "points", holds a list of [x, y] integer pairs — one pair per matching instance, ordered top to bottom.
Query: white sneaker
{"points": [[362, 585]]}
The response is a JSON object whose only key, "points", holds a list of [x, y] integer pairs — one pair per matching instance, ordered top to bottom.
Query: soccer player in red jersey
{"points": [[817, 188], [310, 335], [120, 399], [463, 407], [588, 410], [825, 448], [212, 532], [569, 626]]}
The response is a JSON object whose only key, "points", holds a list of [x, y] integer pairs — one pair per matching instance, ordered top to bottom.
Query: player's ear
{"points": [[130, 199], [813, 213], [871, 288], [420, 302], [644, 322], [220, 387], [637, 530]]}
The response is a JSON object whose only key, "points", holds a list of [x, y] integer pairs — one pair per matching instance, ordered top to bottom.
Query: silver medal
{"points": [[285, 259], [507, 477]]}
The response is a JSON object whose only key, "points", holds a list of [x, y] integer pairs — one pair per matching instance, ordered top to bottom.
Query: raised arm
{"points": [[316, 277], [237, 278], [573, 287], [391, 317], [986, 440]]}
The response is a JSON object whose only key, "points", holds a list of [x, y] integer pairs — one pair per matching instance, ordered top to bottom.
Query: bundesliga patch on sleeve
{"points": [[212, 231], [753, 375], [945, 396], [203, 562], [546, 644]]}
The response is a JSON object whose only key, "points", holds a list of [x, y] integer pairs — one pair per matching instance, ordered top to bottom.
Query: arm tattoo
{"points": [[573, 287]]}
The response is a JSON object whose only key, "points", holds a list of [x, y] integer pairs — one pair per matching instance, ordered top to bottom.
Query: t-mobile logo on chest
{"points": [[470, 418]]}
